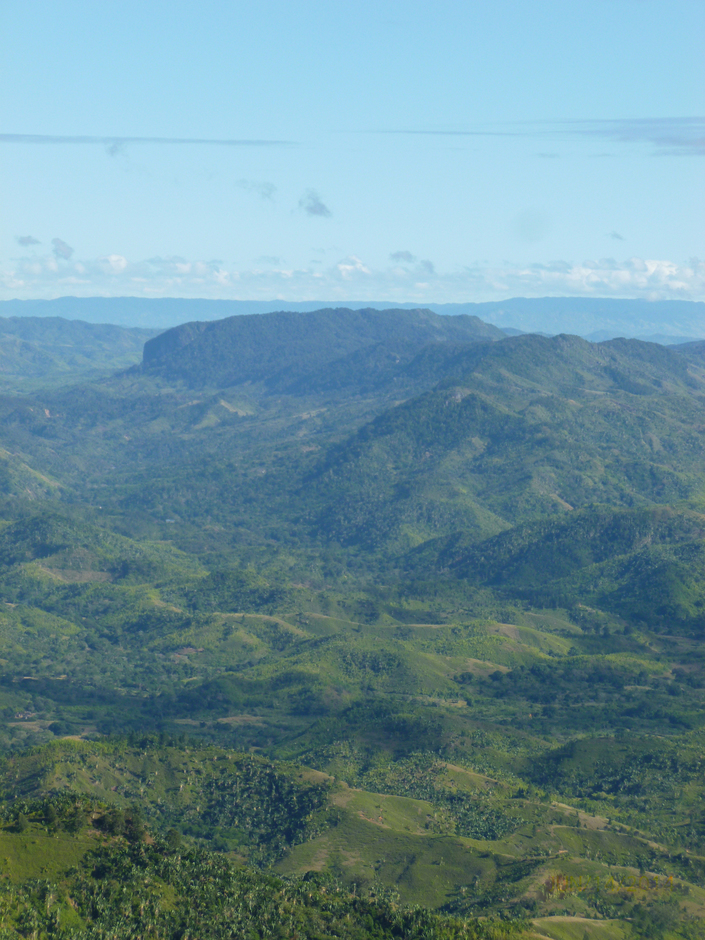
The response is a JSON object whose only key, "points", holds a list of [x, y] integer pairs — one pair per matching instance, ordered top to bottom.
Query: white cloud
{"points": [[113, 264], [350, 267], [350, 278]]}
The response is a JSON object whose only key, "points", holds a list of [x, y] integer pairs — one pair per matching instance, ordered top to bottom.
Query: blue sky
{"points": [[446, 151]]}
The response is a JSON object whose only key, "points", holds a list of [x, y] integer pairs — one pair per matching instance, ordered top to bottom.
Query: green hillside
{"points": [[41, 352], [524, 427], [645, 566], [502, 859], [107, 884]]}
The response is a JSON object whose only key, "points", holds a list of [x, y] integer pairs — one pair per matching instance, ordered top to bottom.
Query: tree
{"points": [[173, 840]]}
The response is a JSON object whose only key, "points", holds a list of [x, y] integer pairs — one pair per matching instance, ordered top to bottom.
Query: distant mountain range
{"points": [[584, 316], [61, 342]]}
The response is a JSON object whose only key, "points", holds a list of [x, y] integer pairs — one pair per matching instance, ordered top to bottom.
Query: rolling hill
{"points": [[42, 352], [646, 566]]}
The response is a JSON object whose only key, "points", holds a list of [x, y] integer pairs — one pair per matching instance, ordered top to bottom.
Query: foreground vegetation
{"points": [[125, 884]]}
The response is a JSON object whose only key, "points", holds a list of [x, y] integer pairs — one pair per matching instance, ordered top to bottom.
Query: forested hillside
{"points": [[287, 351], [38, 352], [356, 624]]}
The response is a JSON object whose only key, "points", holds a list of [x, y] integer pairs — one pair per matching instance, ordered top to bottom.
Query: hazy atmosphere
{"points": [[412, 152]]}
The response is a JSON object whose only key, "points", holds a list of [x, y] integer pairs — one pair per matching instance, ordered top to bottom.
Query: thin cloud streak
{"points": [[670, 136], [115, 143]]}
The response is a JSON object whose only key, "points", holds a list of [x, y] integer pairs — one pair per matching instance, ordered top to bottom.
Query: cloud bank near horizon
{"points": [[58, 274]]}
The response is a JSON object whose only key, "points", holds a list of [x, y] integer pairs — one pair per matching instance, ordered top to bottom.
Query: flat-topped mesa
{"points": [[260, 347]]}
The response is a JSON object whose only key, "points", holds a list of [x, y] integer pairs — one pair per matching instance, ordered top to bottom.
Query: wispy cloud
{"points": [[668, 136], [672, 136], [115, 145], [261, 188], [312, 204], [617, 237], [27, 240], [61, 249], [404, 257], [350, 277]]}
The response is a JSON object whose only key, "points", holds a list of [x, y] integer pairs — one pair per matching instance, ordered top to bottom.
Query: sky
{"points": [[408, 151]]}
